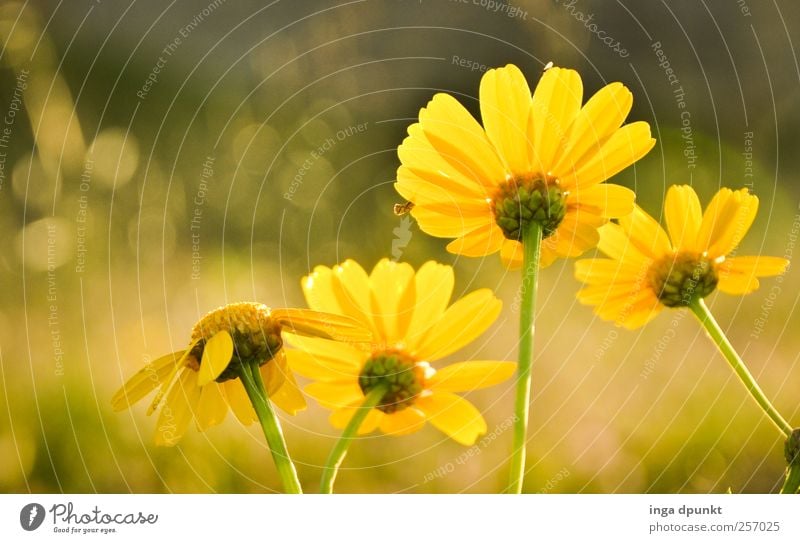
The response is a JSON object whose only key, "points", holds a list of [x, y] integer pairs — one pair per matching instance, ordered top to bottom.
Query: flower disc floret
{"points": [[521, 201], [680, 279], [256, 336], [401, 376]]}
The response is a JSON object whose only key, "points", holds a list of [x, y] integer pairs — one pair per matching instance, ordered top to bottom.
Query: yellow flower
{"points": [[541, 158], [649, 269], [411, 325], [201, 382]]}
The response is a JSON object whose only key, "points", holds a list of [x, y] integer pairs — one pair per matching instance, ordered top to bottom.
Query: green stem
{"points": [[531, 246], [705, 317], [254, 385], [339, 450], [792, 483]]}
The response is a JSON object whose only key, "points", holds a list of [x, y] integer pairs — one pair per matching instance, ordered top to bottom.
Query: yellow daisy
{"points": [[539, 158], [649, 268], [412, 326], [201, 382]]}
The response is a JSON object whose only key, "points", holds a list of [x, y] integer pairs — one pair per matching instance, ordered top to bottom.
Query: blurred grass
{"points": [[260, 95]]}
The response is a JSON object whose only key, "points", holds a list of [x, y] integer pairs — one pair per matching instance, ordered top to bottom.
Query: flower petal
{"points": [[505, 100], [556, 102], [597, 120], [460, 140], [623, 148], [606, 200], [683, 216], [726, 221], [645, 233], [483, 241], [615, 243], [738, 275], [434, 287], [352, 288], [319, 292], [392, 293], [460, 324], [322, 325], [217, 354], [331, 354], [320, 369], [472, 375], [146, 379], [335, 394], [288, 397], [238, 401], [211, 407], [178, 410], [454, 416], [340, 418], [403, 422]]}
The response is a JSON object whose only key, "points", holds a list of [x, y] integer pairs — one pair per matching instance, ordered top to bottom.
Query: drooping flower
{"points": [[540, 158], [648, 268], [412, 326], [201, 382]]}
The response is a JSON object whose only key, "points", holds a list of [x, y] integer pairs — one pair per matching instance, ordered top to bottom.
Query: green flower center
{"points": [[529, 199], [683, 278], [256, 336], [401, 375]]}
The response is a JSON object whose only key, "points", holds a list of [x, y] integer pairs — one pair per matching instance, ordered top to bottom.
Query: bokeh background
{"points": [[277, 124]]}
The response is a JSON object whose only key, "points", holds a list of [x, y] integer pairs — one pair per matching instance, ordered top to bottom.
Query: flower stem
{"points": [[531, 247], [705, 317], [254, 385], [339, 450], [792, 483]]}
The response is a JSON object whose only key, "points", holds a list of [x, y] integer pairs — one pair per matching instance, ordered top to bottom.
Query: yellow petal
{"points": [[505, 100], [556, 102], [602, 115], [460, 140], [623, 148], [420, 157], [427, 186], [605, 199], [683, 216], [730, 225], [445, 226], [645, 233], [574, 237], [481, 242], [617, 245], [511, 254], [600, 271], [738, 275], [352, 287], [434, 287], [318, 290], [392, 293], [460, 324], [323, 325], [217, 354], [333, 354], [319, 369], [274, 372], [473, 375], [146, 379], [335, 395], [288, 397], [238, 401], [211, 408], [178, 410], [454, 416], [341, 417], [403, 422]]}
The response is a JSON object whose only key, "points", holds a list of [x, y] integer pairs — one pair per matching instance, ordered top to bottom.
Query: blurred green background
{"points": [[277, 125]]}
